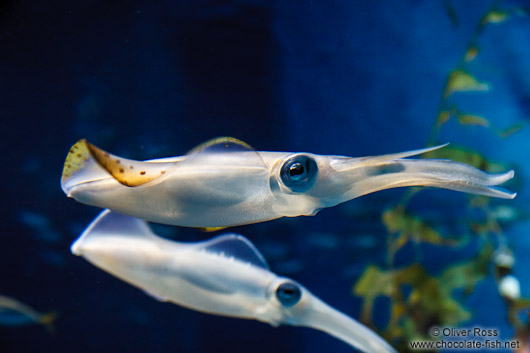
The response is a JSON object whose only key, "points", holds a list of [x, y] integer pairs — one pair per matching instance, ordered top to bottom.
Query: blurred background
{"points": [[146, 79]]}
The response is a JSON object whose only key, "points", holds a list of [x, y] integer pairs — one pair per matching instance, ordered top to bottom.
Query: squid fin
{"points": [[222, 144], [211, 152], [76, 159], [84, 159], [80, 167], [127, 171], [109, 223], [236, 246]]}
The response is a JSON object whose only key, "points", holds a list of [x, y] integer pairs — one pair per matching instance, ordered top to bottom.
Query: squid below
{"points": [[225, 183], [225, 276], [15, 313]]}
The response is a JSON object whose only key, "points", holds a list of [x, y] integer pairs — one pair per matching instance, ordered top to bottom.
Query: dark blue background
{"points": [[149, 79]]}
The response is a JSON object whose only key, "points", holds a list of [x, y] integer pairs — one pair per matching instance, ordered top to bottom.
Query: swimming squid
{"points": [[224, 182], [224, 276], [14, 313]]}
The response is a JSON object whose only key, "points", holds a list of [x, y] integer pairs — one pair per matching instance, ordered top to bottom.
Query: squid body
{"points": [[224, 182], [223, 276]]}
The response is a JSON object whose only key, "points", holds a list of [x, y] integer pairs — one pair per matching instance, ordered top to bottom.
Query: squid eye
{"points": [[299, 173], [288, 294]]}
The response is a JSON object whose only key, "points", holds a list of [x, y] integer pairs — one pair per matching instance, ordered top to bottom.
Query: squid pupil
{"points": [[296, 170], [298, 173], [288, 294]]}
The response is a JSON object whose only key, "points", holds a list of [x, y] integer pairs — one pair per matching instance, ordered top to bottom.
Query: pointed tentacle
{"points": [[444, 174]]}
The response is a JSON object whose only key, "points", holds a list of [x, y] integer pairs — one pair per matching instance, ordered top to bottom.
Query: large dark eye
{"points": [[299, 173], [288, 293]]}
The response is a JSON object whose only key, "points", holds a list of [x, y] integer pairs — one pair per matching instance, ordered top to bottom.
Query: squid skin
{"points": [[225, 183], [223, 276]]}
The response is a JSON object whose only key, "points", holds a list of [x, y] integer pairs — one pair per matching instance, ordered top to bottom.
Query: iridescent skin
{"points": [[216, 187], [224, 276]]}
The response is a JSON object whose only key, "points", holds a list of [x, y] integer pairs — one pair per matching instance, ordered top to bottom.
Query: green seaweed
{"points": [[419, 300]]}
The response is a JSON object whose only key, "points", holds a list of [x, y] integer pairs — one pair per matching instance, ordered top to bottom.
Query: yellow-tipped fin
{"points": [[83, 156], [76, 159], [80, 167], [127, 171]]}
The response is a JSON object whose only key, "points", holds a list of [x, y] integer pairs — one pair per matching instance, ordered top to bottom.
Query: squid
{"points": [[224, 182], [225, 276], [14, 313]]}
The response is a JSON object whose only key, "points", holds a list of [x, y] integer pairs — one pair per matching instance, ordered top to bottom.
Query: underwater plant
{"points": [[418, 300]]}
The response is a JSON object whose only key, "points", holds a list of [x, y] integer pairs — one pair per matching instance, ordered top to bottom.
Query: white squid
{"points": [[226, 183], [225, 276]]}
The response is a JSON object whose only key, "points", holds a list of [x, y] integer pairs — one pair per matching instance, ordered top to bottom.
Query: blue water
{"points": [[146, 80]]}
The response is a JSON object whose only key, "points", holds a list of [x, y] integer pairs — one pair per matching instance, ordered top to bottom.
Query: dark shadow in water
{"points": [[229, 56]]}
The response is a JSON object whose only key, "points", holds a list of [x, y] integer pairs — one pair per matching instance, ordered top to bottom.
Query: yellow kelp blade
{"points": [[462, 81], [470, 119], [126, 171]]}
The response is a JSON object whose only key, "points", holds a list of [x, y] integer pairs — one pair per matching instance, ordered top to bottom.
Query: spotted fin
{"points": [[83, 157], [76, 158], [80, 168], [127, 171], [236, 246]]}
